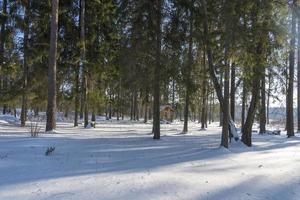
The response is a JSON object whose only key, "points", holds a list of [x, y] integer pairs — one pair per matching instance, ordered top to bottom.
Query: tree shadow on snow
{"points": [[26, 160]]}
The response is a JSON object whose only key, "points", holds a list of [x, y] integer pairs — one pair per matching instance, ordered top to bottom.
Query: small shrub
{"points": [[34, 129]]}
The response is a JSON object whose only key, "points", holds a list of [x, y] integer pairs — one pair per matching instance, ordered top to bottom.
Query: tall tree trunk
{"points": [[2, 40], [25, 64], [83, 66], [212, 69], [188, 76], [257, 77], [298, 78], [156, 87], [204, 87], [222, 90], [290, 91], [166, 92], [173, 93], [232, 93], [77, 96], [268, 97], [173, 100], [119, 101], [244, 102], [81, 104], [134, 105], [51, 106], [131, 106], [146, 106], [207, 106], [110, 107], [213, 107], [136, 109], [203, 109], [210, 109], [4, 110], [36, 111], [66, 111], [150, 111], [186, 111], [146, 113], [226, 113], [262, 113], [93, 116], [226, 116], [247, 128]]}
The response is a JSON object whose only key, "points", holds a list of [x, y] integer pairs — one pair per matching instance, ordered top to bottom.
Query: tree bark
{"points": [[2, 40], [25, 64], [83, 66], [188, 76], [257, 77], [298, 78], [156, 85], [204, 91], [222, 91], [290, 91], [173, 93], [232, 93], [77, 96], [268, 97], [119, 101], [244, 102], [81, 104], [131, 106], [146, 106], [207, 106], [51, 107], [110, 107], [213, 108], [136, 109], [210, 109], [36, 111], [186, 112], [262, 113], [226, 115], [93, 116], [247, 128]]}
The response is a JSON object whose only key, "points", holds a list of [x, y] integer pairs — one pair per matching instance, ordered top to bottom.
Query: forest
{"points": [[225, 73]]}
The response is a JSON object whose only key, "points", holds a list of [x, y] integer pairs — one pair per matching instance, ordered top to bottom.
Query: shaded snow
{"points": [[6, 119], [119, 160]]}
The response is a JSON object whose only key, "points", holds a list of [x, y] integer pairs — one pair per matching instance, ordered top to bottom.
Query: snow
{"points": [[6, 119], [120, 160]]}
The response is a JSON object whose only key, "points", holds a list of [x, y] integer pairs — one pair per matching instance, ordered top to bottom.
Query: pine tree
{"points": [[2, 41], [25, 63], [83, 63], [188, 71], [298, 74], [156, 88], [290, 90], [51, 106]]}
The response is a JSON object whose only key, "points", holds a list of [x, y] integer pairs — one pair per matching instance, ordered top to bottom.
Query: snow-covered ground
{"points": [[120, 160]]}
